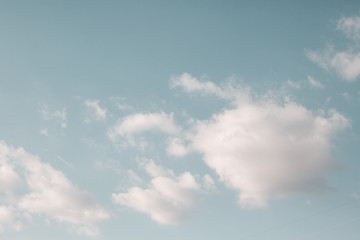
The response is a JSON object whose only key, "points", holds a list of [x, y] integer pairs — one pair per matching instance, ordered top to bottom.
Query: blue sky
{"points": [[179, 120]]}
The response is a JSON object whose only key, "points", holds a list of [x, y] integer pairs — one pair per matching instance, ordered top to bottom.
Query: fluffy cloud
{"points": [[350, 26], [345, 63], [94, 107], [140, 123], [177, 148], [268, 150], [49, 192], [167, 199], [7, 219]]}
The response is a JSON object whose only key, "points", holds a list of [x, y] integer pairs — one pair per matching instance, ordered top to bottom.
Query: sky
{"points": [[179, 120]]}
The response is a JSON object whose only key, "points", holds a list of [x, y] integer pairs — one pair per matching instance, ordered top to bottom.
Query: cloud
{"points": [[350, 26], [345, 63], [314, 83], [191, 84], [292, 84], [346, 96], [119, 103], [94, 107], [58, 115], [140, 123], [44, 132], [177, 148], [268, 150], [9, 180], [208, 182], [49, 193], [167, 199], [7, 219]]}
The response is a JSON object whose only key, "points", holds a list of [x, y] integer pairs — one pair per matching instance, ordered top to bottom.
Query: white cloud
{"points": [[350, 26], [346, 64], [314, 83], [192, 84], [119, 103], [94, 107], [58, 115], [140, 123], [44, 132], [177, 148], [268, 150], [153, 169], [9, 180], [49, 192], [167, 199], [7, 219]]}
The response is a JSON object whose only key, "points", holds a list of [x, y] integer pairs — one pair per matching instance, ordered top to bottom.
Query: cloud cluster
{"points": [[345, 63], [48, 192], [168, 197]]}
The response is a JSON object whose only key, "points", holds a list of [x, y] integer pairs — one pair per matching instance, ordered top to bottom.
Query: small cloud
{"points": [[350, 26], [345, 63], [314, 83], [191, 84], [292, 84], [346, 96], [119, 103], [94, 107], [58, 115], [135, 124], [44, 132], [177, 148], [69, 164], [152, 169], [167, 199]]}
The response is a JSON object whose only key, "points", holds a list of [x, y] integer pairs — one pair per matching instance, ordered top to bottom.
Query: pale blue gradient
{"points": [[60, 53]]}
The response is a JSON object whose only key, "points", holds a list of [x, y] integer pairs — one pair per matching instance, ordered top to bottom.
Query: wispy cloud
{"points": [[350, 26], [345, 63], [314, 83], [94, 107], [58, 115], [139, 123], [49, 192]]}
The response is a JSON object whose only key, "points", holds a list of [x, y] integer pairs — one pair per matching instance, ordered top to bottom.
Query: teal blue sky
{"points": [[179, 120]]}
